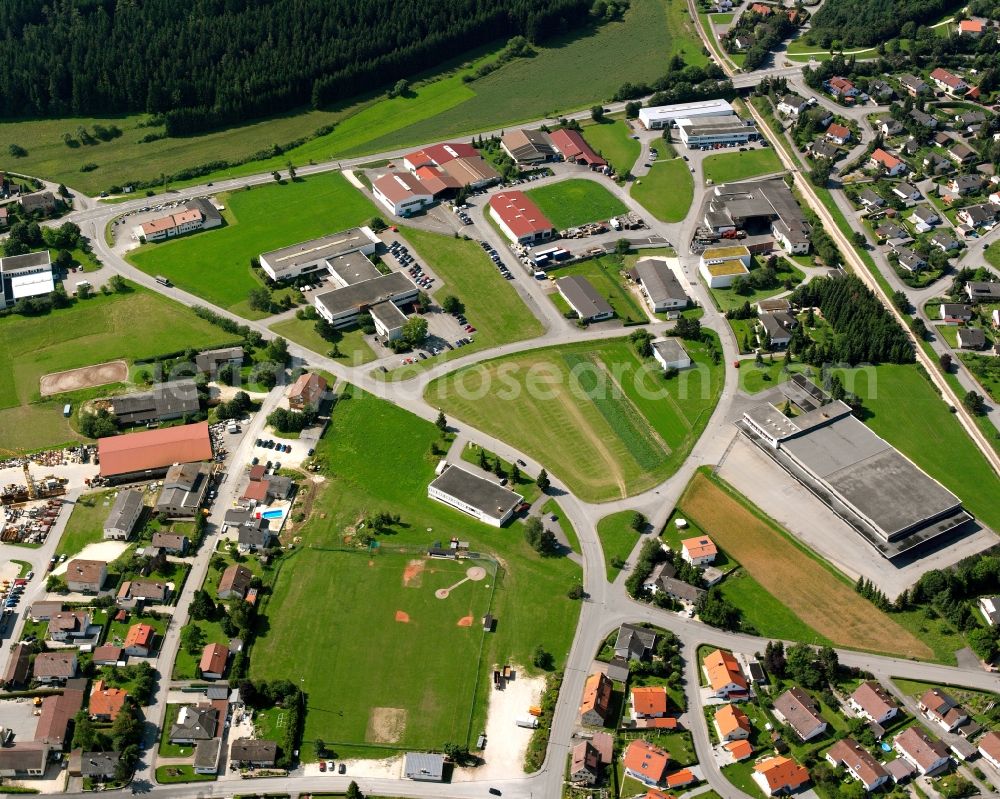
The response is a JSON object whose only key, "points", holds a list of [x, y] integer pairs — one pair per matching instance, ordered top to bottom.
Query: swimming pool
{"points": [[272, 514]]}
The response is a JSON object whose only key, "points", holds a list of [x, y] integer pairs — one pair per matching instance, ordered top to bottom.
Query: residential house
{"points": [[762, 8], [971, 27], [744, 41], [949, 82], [913, 85], [841, 88], [880, 90], [791, 105], [923, 119], [970, 121], [891, 127], [838, 134], [910, 147], [821, 148], [961, 153], [880, 159], [936, 164], [966, 184], [906, 191], [870, 200], [43, 201], [977, 216], [924, 218], [893, 234], [944, 241], [909, 260], [982, 291], [772, 304], [955, 312], [775, 329], [971, 338], [307, 391], [184, 489], [124, 515], [171, 543], [699, 550], [86, 576], [234, 582], [679, 590], [133, 593], [989, 606], [43, 610], [68, 625], [139, 641], [634, 642], [108, 655], [213, 661], [18, 667], [55, 667], [725, 677], [871, 701], [106, 702], [648, 702], [596, 703], [798, 710], [194, 723], [731, 723], [989, 748], [253, 753], [924, 753], [589, 757], [24, 760], [645, 762], [858, 762], [94, 766], [779, 775], [680, 778]]}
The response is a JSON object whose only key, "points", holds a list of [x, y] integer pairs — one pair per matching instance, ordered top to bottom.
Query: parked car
{"points": [[322, 765]]}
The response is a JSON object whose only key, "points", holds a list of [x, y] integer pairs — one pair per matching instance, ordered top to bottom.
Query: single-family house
{"points": [[971, 27], [744, 41], [949, 82], [913, 85], [841, 88], [880, 90], [791, 105], [923, 119], [970, 121], [891, 127], [838, 134], [821, 148], [961, 153], [880, 159], [936, 163], [966, 184], [906, 191], [870, 200], [978, 216], [924, 218], [944, 241], [909, 260], [983, 291], [954, 312], [775, 329], [971, 338], [670, 354], [211, 361], [307, 391], [124, 515], [171, 543], [699, 550], [86, 576], [234, 582], [137, 592], [989, 606], [69, 625], [139, 641], [634, 642], [107, 655], [213, 661], [55, 667], [725, 677], [871, 701], [106, 702], [596, 702], [648, 702], [798, 710], [194, 723], [731, 723], [989, 748], [253, 753], [924, 753], [645, 762], [858, 762], [585, 764], [95, 766], [779, 775]]}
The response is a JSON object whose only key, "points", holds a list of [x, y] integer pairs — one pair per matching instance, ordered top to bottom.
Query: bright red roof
{"points": [[572, 146], [440, 154], [519, 214], [154, 449], [140, 635]]}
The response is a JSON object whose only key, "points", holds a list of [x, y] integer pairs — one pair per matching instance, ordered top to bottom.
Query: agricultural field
{"points": [[612, 138], [727, 167], [667, 191], [570, 203], [215, 264], [604, 275], [492, 305], [92, 331], [351, 342], [902, 407], [606, 422], [795, 578], [528, 596]]}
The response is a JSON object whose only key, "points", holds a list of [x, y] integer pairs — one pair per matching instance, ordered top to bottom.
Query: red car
{"points": [[322, 765]]}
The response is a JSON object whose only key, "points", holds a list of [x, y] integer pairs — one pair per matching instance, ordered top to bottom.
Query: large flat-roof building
{"points": [[666, 116], [709, 131], [403, 193], [759, 204], [198, 214], [519, 218], [309, 256], [720, 266], [24, 276], [659, 285], [583, 298], [342, 306], [148, 454], [481, 498], [890, 501]]}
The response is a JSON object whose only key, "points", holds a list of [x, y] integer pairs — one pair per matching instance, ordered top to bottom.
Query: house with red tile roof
{"points": [[971, 27], [949, 82], [838, 134], [880, 159], [699, 550], [139, 641], [213, 661], [725, 677], [871, 701], [106, 702], [648, 702], [596, 703], [731, 723], [989, 748], [740, 750], [926, 754], [645, 762], [858, 762], [778, 775]]}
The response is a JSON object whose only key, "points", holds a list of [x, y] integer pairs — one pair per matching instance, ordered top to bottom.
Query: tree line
{"points": [[868, 22], [209, 63]]}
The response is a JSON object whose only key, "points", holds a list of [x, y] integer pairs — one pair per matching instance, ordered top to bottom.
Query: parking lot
{"points": [[122, 226]]}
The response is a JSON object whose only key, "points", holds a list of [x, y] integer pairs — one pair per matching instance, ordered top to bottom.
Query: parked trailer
{"points": [[529, 722]]}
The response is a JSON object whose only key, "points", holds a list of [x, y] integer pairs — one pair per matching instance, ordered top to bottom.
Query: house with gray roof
{"points": [[124, 515], [634, 642], [194, 723], [423, 767]]}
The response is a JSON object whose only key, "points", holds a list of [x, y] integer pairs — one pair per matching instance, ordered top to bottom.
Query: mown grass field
{"points": [[566, 74], [612, 138], [727, 167], [666, 192], [570, 203], [215, 264], [603, 273], [727, 298], [492, 305], [137, 324], [303, 331], [905, 410], [594, 414], [86, 522], [618, 539], [798, 581], [423, 666]]}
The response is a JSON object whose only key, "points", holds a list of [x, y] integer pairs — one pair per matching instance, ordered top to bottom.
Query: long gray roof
{"points": [[659, 281]]}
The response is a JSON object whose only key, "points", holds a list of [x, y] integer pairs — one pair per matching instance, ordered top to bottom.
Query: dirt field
{"points": [[84, 377], [825, 603], [385, 725]]}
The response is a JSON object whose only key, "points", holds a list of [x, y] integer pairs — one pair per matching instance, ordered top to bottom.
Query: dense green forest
{"points": [[868, 22], [205, 63]]}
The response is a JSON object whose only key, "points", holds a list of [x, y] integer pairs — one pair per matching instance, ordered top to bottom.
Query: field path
{"points": [[634, 412], [827, 604]]}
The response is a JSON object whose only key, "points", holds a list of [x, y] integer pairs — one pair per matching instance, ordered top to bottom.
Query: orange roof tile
{"points": [[700, 546], [139, 635], [723, 669], [650, 700], [105, 701], [730, 718], [740, 750], [645, 758], [782, 773], [682, 777]]}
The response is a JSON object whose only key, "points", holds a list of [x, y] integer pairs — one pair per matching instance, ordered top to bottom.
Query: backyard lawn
{"points": [[612, 138], [727, 167], [666, 192], [570, 203], [215, 264], [604, 274], [88, 332], [607, 422], [357, 696]]}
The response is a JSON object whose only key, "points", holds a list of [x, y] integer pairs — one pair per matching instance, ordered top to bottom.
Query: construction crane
{"points": [[32, 492]]}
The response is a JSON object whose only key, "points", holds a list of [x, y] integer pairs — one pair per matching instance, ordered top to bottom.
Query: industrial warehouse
{"points": [[310, 256]]}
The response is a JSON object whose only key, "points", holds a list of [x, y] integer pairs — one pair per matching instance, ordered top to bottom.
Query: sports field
{"points": [[612, 138], [727, 167], [666, 192], [570, 203], [215, 264], [492, 305], [137, 324], [903, 408], [594, 414], [800, 582], [328, 612], [388, 662]]}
